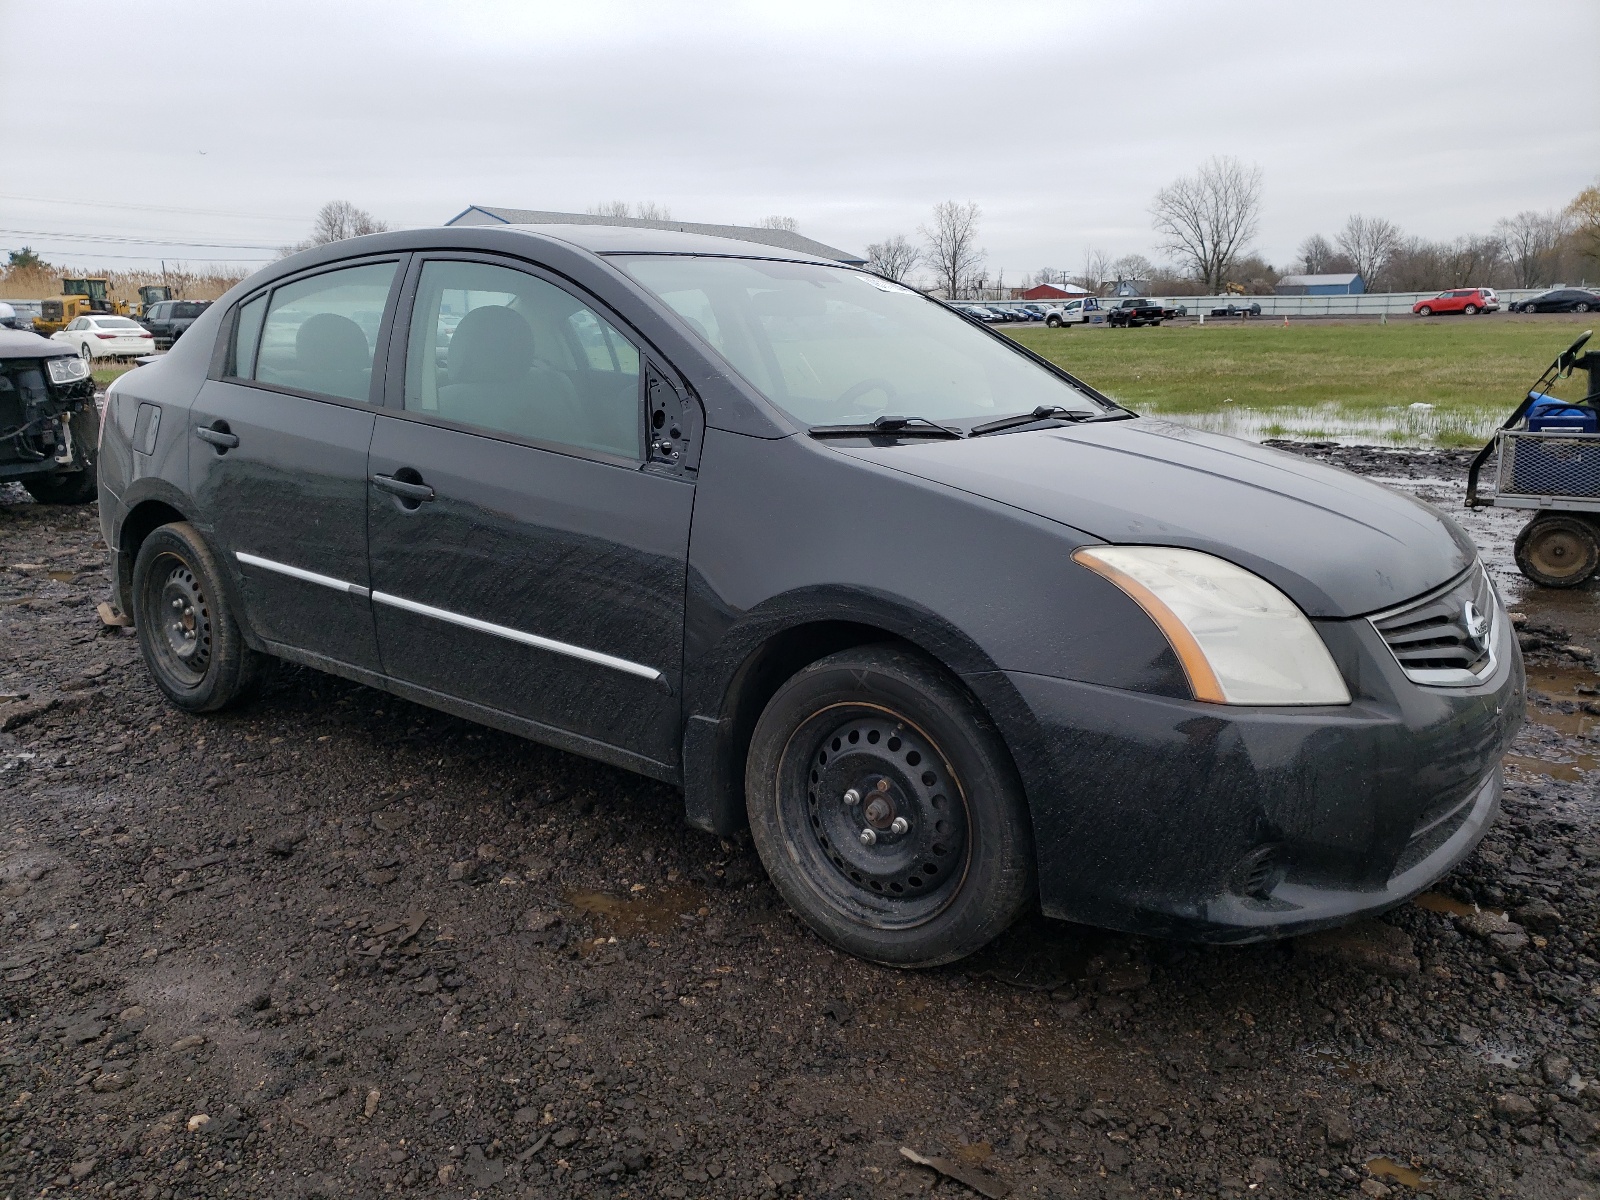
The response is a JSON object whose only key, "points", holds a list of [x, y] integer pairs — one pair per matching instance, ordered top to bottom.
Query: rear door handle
{"points": [[218, 434], [415, 492]]}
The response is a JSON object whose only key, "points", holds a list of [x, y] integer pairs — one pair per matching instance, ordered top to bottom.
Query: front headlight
{"points": [[67, 369], [1240, 640]]}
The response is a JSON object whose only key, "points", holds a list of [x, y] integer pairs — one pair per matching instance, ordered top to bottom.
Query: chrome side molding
{"points": [[626, 666]]}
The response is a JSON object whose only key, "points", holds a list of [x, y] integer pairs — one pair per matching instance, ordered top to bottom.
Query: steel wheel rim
{"points": [[1557, 553], [182, 616], [902, 877]]}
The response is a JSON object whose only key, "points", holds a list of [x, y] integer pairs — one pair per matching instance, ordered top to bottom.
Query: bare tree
{"points": [[645, 210], [1584, 213], [1208, 218], [337, 220], [787, 224], [1370, 242], [1530, 242], [953, 251], [1315, 253], [894, 258], [1096, 266], [1133, 268]]}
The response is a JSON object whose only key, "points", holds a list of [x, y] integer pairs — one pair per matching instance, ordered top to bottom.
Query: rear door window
{"points": [[321, 334]]}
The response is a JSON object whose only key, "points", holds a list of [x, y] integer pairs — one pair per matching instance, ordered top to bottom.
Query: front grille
{"points": [[1445, 639]]}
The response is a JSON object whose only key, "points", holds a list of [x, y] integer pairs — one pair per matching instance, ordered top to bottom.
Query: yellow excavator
{"points": [[78, 298]]}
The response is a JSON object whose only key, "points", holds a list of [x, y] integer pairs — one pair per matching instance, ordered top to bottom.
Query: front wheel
{"points": [[1424, 311], [1053, 322], [85, 353], [1557, 551], [191, 642], [887, 811]]}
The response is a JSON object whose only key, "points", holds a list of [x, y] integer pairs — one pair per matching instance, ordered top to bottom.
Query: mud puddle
{"points": [[1438, 902], [644, 913], [1401, 1173]]}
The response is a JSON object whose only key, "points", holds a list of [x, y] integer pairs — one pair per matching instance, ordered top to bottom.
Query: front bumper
{"points": [[1214, 823]]}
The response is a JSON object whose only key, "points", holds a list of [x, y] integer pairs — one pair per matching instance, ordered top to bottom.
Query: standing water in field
{"points": [[1410, 426]]}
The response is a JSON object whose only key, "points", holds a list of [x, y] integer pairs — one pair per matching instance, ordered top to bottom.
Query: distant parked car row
{"points": [[1579, 300]]}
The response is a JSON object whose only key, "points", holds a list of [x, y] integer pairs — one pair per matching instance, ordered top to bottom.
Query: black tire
{"points": [[1580, 306], [1471, 310], [1424, 311], [1053, 322], [1557, 551], [192, 644], [942, 886]]}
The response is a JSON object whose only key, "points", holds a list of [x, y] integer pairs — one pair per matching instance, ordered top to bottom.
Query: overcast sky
{"points": [[214, 129]]}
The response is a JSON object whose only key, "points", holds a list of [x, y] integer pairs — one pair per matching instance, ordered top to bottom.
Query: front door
{"points": [[278, 458], [525, 555]]}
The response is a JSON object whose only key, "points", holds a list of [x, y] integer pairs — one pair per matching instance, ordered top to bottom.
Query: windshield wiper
{"points": [[1044, 412], [898, 426]]}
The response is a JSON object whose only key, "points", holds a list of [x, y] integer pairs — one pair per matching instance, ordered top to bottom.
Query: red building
{"points": [[1052, 291]]}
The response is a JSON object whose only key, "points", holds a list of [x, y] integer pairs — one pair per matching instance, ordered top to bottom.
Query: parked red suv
{"points": [[1459, 300]]}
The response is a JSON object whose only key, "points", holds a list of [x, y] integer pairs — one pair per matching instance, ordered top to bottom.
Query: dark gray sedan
{"points": [[948, 630]]}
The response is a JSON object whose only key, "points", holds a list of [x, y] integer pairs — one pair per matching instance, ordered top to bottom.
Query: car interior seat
{"points": [[331, 355], [497, 380]]}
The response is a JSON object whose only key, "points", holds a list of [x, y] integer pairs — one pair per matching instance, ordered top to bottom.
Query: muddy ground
{"points": [[338, 945]]}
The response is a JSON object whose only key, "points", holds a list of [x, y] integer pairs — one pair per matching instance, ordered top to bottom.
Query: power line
{"points": [[193, 212], [120, 239], [84, 254]]}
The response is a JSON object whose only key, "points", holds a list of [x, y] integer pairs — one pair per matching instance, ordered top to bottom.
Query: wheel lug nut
{"points": [[178, 604], [852, 797], [899, 825], [869, 837]]}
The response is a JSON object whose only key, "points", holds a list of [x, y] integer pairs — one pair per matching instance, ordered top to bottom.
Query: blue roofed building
{"points": [[1321, 285]]}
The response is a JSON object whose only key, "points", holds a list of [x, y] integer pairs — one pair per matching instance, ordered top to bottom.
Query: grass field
{"points": [[1356, 380]]}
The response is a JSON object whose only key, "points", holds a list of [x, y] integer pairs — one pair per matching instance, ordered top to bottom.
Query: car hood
{"points": [[19, 343], [1335, 543]]}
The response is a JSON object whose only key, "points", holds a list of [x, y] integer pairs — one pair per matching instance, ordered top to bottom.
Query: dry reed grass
{"points": [[42, 282]]}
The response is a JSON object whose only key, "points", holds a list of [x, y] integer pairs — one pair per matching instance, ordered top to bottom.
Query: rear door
{"points": [[278, 457], [527, 556]]}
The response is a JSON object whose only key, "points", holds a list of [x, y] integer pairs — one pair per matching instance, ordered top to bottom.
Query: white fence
{"points": [[1368, 304]]}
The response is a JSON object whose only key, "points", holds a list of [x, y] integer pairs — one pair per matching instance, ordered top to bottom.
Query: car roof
{"points": [[619, 239]]}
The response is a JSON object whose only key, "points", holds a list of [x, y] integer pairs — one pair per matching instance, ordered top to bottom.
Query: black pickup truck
{"points": [[1135, 311], [167, 319]]}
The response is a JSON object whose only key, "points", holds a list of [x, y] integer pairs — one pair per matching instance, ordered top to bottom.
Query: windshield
{"points": [[834, 346]]}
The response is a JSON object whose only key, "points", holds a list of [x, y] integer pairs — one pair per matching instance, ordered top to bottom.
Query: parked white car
{"points": [[1072, 312], [101, 336]]}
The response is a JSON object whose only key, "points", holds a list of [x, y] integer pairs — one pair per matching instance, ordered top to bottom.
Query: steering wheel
{"points": [[876, 384]]}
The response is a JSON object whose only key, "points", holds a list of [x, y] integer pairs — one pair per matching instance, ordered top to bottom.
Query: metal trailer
{"points": [[1555, 474]]}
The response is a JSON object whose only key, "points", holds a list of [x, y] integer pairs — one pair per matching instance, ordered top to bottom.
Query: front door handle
{"points": [[219, 435], [414, 491]]}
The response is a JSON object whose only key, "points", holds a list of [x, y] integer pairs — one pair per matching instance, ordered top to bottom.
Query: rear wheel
{"points": [[1580, 306], [1471, 310], [1557, 551], [191, 642], [886, 810]]}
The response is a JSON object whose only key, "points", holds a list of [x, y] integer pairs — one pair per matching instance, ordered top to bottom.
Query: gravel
{"points": [[338, 945]]}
